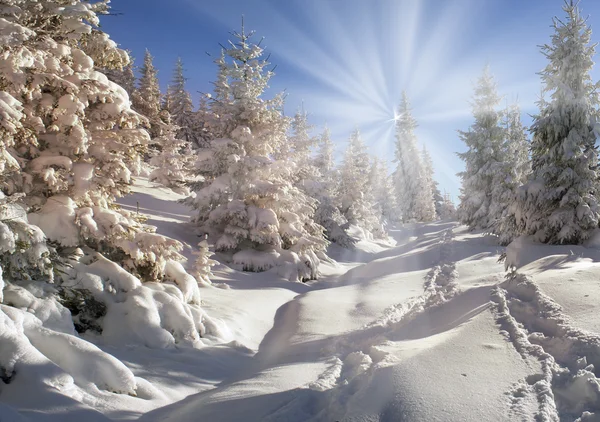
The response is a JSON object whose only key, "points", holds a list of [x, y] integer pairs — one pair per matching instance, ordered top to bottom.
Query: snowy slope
{"points": [[427, 330]]}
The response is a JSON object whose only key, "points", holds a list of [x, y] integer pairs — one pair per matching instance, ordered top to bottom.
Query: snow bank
{"points": [[187, 284], [24, 340], [82, 360]]}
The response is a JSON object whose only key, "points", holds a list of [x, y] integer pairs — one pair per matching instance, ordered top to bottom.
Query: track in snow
{"points": [[358, 355], [567, 389]]}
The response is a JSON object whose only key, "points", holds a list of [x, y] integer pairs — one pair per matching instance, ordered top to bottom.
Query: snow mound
{"points": [[152, 314], [74, 360]]}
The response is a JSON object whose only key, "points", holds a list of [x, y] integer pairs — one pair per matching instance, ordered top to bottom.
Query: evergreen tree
{"points": [[123, 77], [146, 99], [166, 103], [181, 106], [203, 121], [69, 139], [302, 143], [517, 145], [483, 158], [323, 160], [174, 162], [511, 173], [325, 190], [355, 192], [413, 192], [384, 196], [438, 199], [246, 201], [558, 204], [447, 209], [24, 253], [203, 263]]}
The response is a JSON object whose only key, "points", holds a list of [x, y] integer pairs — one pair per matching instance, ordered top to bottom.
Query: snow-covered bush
{"points": [[247, 202]]}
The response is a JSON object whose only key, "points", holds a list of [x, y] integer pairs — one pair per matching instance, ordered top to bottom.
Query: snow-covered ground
{"points": [[426, 330]]}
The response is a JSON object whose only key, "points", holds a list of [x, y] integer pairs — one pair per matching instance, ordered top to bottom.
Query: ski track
{"points": [[356, 358], [567, 389]]}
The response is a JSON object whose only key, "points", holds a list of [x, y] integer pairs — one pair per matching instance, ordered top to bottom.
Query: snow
{"points": [[57, 220], [424, 326]]}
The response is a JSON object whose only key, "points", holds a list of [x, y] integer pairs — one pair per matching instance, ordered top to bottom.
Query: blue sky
{"points": [[349, 60]]}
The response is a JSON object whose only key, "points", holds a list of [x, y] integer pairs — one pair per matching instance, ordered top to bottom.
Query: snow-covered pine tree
{"points": [[124, 77], [146, 99], [167, 100], [181, 106], [203, 123], [73, 140], [484, 141], [301, 143], [517, 143], [323, 159], [173, 164], [512, 172], [325, 189], [412, 190], [355, 192], [384, 195], [426, 199], [438, 199], [246, 201], [558, 204], [447, 209], [24, 254], [203, 263]]}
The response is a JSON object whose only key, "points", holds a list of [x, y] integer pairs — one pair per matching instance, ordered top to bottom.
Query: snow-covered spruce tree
{"points": [[123, 77], [146, 99], [166, 101], [181, 106], [203, 123], [74, 139], [302, 143], [517, 144], [483, 158], [173, 164], [512, 172], [325, 189], [412, 190], [355, 192], [384, 195], [438, 199], [425, 200], [247, 202], [558, 203], [447, 209], [24, 254], [203, 263]]}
